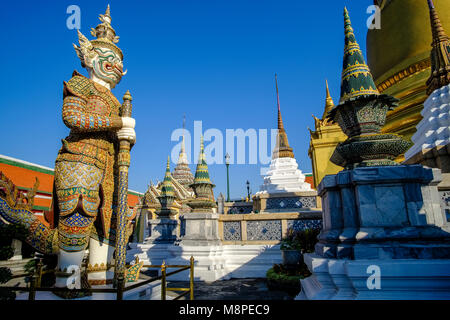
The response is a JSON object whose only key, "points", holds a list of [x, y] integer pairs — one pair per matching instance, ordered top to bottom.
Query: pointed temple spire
{"points": [[108, 11], [440, 53], [356, 77], [329, 104], [280, 120], [184, 130], [365, 145], [282, 148], [182, 159], [182, 173], [202, 173], [167, 186], [203, 187], [167, 195]]}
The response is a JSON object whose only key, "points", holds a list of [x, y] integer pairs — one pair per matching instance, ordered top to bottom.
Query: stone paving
{"points": [[235, 289]]}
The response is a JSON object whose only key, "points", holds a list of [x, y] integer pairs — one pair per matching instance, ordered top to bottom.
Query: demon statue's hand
{"points": [[127, 132]]}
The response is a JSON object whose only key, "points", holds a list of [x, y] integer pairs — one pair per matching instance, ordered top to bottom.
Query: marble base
{"points": [[202, 229], [163, 230], [211, 262], [410, 279]]}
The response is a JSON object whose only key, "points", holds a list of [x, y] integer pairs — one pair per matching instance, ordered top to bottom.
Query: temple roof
{"points": [[440, 53], [356, 77], [282, 148], [182, 172], [170, 185]]}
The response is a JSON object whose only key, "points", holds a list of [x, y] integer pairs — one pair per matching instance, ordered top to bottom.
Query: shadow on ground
{"points": [[234, 289]]}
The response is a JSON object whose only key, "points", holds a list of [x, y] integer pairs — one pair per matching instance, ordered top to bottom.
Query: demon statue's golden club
{"points": [[86, 193]]}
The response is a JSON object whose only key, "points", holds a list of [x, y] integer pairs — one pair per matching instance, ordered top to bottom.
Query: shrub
{"points": [[7, 233], [303, 240], [6, 252], [5, 276], [288, 280]]}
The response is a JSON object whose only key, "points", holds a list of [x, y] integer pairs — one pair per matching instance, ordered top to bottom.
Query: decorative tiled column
{"points": [[349, 214], [332, 217]]}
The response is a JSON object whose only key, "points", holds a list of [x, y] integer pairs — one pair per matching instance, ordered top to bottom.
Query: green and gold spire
{"points": [[440, 53], [356, 77], [361, 114], [202, 173], [167, 186], [203, 188], [167, 195]]}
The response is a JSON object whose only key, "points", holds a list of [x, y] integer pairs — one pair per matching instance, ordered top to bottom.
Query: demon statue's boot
{"points": [[86, 166]]}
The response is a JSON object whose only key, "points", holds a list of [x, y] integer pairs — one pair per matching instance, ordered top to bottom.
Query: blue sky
{"points": [[211, 60]]}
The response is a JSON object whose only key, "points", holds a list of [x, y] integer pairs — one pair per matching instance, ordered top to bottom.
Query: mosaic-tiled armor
{"points": [[84, 168]]}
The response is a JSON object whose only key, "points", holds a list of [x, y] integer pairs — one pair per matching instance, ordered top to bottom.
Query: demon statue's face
{"points": [[101, 56], [106, 65]]}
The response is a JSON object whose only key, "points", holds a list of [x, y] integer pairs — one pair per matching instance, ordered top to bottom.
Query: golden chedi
{"points": [[399, 57], [324, 139]]}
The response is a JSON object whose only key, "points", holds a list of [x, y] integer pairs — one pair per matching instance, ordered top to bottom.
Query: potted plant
{"points": [[296, 243], [291, 249]]}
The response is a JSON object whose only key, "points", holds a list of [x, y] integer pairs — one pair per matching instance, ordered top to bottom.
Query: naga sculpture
{"points": [[86, 168]]}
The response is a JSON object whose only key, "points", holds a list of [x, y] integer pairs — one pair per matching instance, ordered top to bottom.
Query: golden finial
{"points": [[108, 11], [127, 96], [329, 104], [280, 120]]}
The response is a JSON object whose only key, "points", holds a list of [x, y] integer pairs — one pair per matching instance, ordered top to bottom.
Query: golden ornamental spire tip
{"points": [[127, 96]]}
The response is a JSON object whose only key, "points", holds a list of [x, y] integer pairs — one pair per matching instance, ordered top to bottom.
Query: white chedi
{"points": [[434, 129], [284, 176]]}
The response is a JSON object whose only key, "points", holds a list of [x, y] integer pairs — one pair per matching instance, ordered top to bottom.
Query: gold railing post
{"points": [[39, 273], [191, 279], [34, 281], [163, 281], [120, 286], [32, 293]]}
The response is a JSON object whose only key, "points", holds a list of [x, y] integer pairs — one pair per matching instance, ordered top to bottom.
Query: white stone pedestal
{"points": [[284, 176], [202, 228], [163, 230], [384, 236], [17, 247], [211, 262], [402, 279]]}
